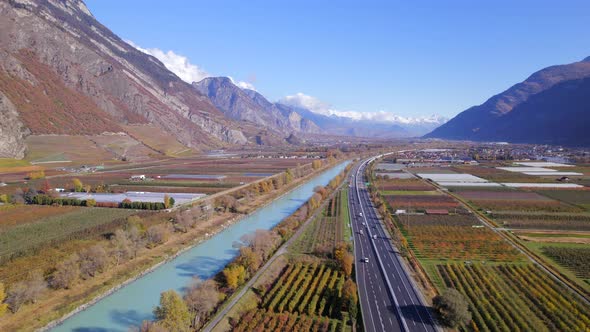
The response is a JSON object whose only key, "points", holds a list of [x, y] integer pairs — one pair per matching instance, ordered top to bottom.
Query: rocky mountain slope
{"points": [[62, 72], [248, 105], [524, 112]]}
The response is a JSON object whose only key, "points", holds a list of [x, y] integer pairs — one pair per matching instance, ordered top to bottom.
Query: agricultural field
{"points": [[125, 147], [80, 149], [493, 174], [401, 184], [580, 198], [515, 200], [420, 203], [14, 215], [543, 221], [77, 224], [327, 230], [454, 238], [574, 258], [504, 291], [303, 296], [515, 297]]}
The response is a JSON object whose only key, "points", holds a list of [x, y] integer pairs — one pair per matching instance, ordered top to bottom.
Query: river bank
{"points": [[222, 227]]}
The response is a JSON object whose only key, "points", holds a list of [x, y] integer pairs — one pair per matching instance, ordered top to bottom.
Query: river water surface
{"points": [[132, 304]]}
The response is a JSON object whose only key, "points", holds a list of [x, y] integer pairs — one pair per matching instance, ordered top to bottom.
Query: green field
{"points": [[7, 162], [580, 198], [345, 215], [26, 237], [540, 249]]}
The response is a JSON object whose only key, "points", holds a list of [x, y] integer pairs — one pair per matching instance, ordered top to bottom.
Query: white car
{"points": [[375, 236], [366, 259]]}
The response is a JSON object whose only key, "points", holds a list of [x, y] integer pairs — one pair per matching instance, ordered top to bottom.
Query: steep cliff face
{"points": [[51, 45], [248, 105], [12, 131]]}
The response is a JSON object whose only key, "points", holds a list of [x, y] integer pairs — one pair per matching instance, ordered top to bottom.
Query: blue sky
{"points": [[411, 58]]}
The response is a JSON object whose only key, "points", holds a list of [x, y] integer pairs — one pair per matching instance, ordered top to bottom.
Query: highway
{"points": [[389, 299]]}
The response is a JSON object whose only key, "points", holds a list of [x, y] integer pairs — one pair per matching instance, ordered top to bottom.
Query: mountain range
{"points": [[64, 73], [552, 106]]}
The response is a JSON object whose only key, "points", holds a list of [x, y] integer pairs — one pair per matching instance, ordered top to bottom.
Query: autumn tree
{"points": [[316, 164], [288, 176], [277, 182], [78, 185], [45, 187], [321, 190], [167, 201], [339, 250], [249, 259], [93, 260], [346, 263], [66, 273], [234, 276], [350, 297], [201, 298], [3, 306], [452, 308], [172, 313]]}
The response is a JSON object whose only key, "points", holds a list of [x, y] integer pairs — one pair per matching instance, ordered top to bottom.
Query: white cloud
{"points": [[176, 63], [182, 67], [242, 84], [317, 106]]}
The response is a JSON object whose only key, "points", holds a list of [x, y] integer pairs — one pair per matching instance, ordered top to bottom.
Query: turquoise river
{"points": [[132, 304]]}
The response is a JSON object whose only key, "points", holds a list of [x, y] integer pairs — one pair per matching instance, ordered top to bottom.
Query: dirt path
{"points": [[282, 250]]}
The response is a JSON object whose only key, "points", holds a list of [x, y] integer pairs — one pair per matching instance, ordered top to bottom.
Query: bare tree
{"points": [[227, 203], [184, 221], [156, 235], [136, 241], [262, 241], [121, 247], [93, 261], [66, 273], [27, 291], [201, 298], [149, 326]]}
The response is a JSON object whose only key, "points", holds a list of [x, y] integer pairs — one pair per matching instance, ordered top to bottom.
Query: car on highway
{"points": [[361, 232], [375, 236], [366, 259]]}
